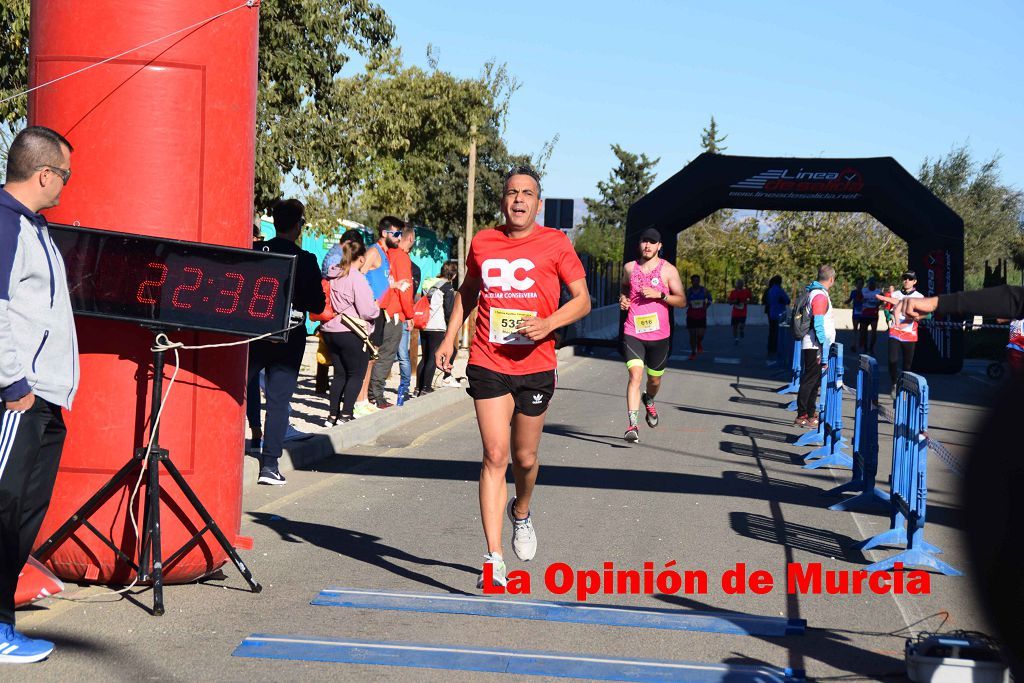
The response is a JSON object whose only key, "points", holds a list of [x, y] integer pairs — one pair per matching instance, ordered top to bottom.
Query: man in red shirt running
{"points": [[514, 275], [739, 297]]}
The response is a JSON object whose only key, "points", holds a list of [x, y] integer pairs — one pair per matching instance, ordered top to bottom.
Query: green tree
{"points": [[303, 46], [13, 59], [407, 139], [710, 140], [991, 210], [603, 231], [855, 244]]}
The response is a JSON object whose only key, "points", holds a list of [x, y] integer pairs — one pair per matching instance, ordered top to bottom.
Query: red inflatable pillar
{"points": [[164, 140]]}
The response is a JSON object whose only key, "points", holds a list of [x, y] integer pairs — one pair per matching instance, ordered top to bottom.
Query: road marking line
{"points": [[636, 617], [419, 655]]}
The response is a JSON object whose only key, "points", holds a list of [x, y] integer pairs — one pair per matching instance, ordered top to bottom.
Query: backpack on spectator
{"points": [[421, 312], [328, 313], [800, 318]]}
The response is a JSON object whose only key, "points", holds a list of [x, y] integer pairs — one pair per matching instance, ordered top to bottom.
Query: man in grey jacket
{"points": [[38, 362]]}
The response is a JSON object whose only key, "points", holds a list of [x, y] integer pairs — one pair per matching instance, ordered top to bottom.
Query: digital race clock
{"points": [[176, 284]]}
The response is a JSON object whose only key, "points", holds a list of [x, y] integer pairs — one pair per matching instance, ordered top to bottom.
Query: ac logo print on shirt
{"points": [[498, 273]]}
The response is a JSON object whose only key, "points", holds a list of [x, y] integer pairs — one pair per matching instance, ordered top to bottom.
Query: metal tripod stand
{"points": [[149, 567]]}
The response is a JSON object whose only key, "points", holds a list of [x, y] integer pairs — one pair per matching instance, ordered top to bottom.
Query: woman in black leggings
{"points": [[896, 348], [348, 352]]}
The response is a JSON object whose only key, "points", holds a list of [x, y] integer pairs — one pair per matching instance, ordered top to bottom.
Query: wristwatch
{"points": [[664, 296]]}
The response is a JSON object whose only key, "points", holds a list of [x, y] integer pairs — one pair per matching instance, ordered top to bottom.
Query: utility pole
{"points": [[471, 194], [467, 330]]}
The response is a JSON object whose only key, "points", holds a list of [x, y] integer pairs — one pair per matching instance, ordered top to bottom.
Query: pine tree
{"points": [[709, 139], [627, 183], [602, 233]]}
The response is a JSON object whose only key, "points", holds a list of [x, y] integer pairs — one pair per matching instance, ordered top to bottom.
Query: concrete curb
{"points": [[302, 455]]}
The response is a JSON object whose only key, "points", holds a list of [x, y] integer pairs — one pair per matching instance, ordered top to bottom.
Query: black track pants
{"points": [[31, 442]]}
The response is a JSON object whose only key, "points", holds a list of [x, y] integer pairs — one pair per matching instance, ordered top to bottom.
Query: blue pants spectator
{"points": [[281, 363], [404, 363]]}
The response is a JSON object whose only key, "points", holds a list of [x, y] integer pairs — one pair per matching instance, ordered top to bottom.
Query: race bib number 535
{"points": [[505, 322]]}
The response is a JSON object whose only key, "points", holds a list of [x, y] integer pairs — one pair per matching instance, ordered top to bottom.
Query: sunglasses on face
{"points": [[64, 173], [395, 233]]}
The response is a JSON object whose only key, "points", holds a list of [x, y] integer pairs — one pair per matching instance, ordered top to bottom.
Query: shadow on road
{"points": [[759, 402], [739, 416], [764, 434], [613, 440], [770, 454], [730, 484], [799, 536], [359, 546], [819, 644]]}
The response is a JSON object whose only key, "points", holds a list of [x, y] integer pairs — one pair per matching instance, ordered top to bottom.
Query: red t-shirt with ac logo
{"points": [[520, 278]]}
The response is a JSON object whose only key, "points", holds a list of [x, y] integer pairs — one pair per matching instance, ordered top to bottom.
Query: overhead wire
{"points": [[247, 4]]}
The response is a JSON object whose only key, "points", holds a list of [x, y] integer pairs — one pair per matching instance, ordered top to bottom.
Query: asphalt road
{"points": [[717, 483]]}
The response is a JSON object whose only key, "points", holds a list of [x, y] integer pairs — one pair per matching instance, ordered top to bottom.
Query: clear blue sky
{"points": [[903, 79]]}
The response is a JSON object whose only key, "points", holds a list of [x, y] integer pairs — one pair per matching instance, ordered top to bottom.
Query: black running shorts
{"points": [[696, 323], [653, 354], [531, 393]]}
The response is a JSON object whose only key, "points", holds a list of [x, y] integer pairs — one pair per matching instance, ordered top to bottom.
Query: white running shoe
{"points": [[449, 382], [363, 409], [524, 538], [498, 577]]}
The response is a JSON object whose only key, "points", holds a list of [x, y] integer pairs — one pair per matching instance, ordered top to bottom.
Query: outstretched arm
{"points": [[1004, 301]]}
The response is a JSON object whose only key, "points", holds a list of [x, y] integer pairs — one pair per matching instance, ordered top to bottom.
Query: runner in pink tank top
{"points": [[650, 288], [647, 319]]}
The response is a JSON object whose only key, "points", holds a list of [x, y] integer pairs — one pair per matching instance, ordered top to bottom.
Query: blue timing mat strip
{"points": [[577, 613], [497, 660]]}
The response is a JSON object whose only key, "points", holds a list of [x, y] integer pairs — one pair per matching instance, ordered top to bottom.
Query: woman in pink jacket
{"points": [[350, 295]]}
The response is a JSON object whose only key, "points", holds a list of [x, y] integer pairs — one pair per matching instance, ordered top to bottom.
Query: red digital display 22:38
{"points": [[175, 284], [261, 298]]}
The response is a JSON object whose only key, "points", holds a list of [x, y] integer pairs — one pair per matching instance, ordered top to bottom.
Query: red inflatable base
{"points": [[177, 116], [35, 582]]}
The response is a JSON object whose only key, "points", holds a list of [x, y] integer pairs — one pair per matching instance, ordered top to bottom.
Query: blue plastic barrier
{"points": [[794, 383], [830, 421], [865, 445], [909, 496]]}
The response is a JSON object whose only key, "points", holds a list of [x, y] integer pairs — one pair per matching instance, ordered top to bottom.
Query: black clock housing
{"points": [[176, 284]]}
